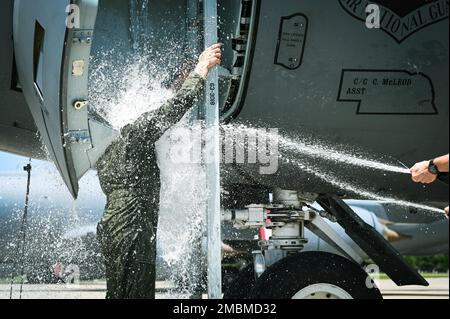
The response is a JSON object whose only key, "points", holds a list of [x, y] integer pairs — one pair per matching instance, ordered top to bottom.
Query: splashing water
{"points": [[130, 79], [136, 91], [122, 93], [298, 148], [319, 150], [341, 157], [328, 178], [183, 195], [182, 207], [182, 215], [77, 245]]}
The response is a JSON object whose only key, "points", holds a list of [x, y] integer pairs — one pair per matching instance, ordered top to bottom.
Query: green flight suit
{"points": [[130, 178]]}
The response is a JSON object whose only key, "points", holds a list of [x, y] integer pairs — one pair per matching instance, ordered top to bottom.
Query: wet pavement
{"points": [[438, 289]]}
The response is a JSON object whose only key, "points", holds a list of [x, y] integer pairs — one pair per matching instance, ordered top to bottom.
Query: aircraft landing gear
{"points": [[281, 270], [308, 275], [315, 275]]}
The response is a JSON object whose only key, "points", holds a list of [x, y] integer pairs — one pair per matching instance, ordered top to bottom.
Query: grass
{"points": [[15, 280]]}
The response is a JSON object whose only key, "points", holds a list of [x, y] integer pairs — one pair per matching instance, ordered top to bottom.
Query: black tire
{"points": [[286, 278], [241, 285]]}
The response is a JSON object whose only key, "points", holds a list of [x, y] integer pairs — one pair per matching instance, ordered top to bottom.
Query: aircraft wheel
{"points": [[315, 275]]}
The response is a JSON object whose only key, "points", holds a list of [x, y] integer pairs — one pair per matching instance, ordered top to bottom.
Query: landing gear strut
{"points": [[282, 270]]}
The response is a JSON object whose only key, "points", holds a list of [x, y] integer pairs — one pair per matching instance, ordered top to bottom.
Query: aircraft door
{"points": [[52, 40]]}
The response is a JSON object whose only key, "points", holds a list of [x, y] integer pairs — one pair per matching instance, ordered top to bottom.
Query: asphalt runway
{"points": [[438, 289]]}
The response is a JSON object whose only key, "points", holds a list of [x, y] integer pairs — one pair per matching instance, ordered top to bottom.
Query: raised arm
{"points": [[173, 110], [153, 125]]}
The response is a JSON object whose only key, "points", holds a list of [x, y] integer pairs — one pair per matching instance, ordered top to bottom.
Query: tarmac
{"points": [[438, 289]]}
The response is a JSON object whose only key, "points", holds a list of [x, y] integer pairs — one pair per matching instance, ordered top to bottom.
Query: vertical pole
{"points": [[213, 159], [20, 258]]}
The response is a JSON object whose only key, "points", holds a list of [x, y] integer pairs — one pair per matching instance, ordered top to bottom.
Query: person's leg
{"points": [[128, 237], [139, 271], [112, 285]]}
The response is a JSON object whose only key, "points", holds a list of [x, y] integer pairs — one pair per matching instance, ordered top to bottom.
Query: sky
{"points": [[9, 162], [47, 186]]}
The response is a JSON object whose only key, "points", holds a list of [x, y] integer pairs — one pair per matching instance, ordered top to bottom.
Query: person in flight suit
{"points": [[130, 178]]}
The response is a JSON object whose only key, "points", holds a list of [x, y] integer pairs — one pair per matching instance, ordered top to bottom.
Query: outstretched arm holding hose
{"points": [[427, 172]]}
